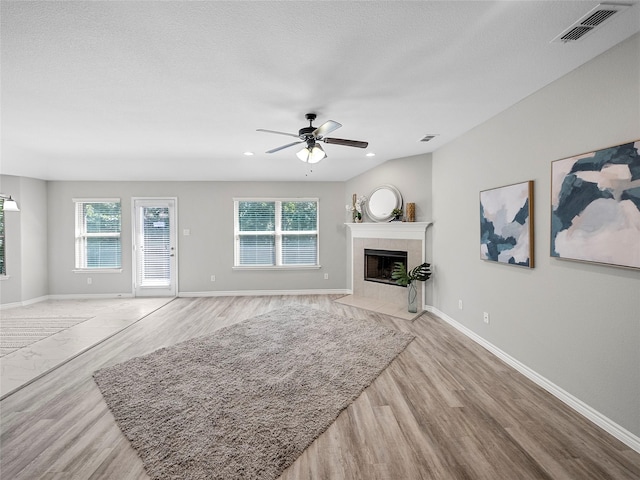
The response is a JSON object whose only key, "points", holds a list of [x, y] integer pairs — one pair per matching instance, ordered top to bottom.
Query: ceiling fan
{"points": [[312, 152]]}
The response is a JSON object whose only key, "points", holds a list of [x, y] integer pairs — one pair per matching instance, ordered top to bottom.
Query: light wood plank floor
{"points": [[444, 409]]}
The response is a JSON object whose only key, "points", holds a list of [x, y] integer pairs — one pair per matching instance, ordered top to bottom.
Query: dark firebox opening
{"points": [[378, 265]]}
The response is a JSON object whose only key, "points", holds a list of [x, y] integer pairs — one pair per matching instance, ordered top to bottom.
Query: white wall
{"points": [[206, 209], [576, 324]]}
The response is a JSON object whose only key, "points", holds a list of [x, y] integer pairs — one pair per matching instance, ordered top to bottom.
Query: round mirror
{"points": [[381, 203]]}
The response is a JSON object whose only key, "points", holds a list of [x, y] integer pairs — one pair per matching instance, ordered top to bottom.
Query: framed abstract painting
{"points": [[595, 206], [506, 224]]}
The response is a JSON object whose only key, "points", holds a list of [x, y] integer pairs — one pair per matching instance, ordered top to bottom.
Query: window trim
{"points": [[278, 233], [78, 234]]}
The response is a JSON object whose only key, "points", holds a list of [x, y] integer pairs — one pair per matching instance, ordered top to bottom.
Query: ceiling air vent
{"points": [[588, 22], [428, 137]]}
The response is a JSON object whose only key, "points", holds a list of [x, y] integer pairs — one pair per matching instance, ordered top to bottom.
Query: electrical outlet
{"points": [[326, 276], [213, 278], [89, 280], [460, 304], [485, 317]]}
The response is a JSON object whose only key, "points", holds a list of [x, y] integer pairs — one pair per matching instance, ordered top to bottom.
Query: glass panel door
{"points": [[155, 252]]}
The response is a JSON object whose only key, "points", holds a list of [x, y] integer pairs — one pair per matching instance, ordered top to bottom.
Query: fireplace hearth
{"points": [[379, 264]]}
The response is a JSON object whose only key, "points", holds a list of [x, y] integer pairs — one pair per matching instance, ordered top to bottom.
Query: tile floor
{"points": [[380, 306], [108, 317]]}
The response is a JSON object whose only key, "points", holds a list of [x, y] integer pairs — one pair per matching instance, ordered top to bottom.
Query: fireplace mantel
{"points": [[398, 230], [403, 236]]}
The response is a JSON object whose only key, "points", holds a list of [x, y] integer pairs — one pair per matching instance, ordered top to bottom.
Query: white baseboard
{"points": [[229, 293], [255, 293], [67, 296], [81, 296], [31, 301], [7, 306], [622, 434]]}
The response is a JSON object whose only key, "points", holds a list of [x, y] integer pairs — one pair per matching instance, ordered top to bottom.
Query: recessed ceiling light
{"points": [[248, 154], [370, 154]]}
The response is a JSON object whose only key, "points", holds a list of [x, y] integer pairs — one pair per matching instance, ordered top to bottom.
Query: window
{"points": [[280, 233], [98, 234], [3, 265]]}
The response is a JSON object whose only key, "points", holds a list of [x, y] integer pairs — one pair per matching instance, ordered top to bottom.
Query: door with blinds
{"points": [[155, 260]]}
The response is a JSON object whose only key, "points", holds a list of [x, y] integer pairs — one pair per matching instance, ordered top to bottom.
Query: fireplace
{"points": [[390, 236], [378, 265]]}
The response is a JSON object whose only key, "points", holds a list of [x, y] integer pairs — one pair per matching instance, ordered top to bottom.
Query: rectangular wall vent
{"points": [[588, 22]]}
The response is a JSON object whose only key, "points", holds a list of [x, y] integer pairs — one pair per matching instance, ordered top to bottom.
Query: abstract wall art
{"points": [[595, 206], [506, 224]]}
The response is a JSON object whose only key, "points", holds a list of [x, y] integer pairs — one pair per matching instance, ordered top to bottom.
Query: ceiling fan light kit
{"points": [[310, 135], [311, 154]]}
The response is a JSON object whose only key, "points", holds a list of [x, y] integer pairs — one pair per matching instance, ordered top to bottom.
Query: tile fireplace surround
{"points": [[402, 236]]}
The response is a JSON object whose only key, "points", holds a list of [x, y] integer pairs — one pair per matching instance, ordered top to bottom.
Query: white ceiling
{"points": [[99, 90]]}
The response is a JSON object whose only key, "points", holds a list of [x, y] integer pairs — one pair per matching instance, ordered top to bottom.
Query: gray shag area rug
{"points": [[245, 402]]}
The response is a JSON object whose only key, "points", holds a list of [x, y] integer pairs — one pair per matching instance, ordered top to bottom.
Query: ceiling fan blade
{"points": [[327, 127], [279, 133], [347, 143], [277, 149]]}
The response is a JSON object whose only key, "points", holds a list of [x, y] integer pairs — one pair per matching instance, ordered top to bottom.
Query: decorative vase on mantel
{"points": [[357, 207], [411, 212]]}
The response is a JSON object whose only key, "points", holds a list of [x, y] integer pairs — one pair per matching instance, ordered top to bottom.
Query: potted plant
{"points": [[397, 213], [409, 278]]}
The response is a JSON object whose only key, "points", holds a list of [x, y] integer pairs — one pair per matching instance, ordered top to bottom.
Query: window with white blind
{"points": [[276, 233], [98, 234]]}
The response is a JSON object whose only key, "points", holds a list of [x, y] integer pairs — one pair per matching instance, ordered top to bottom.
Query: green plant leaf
{"points": [[421, 272], [399, 274], [402, 277]]}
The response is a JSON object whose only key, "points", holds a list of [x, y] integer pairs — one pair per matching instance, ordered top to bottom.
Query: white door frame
{"points": [[172, 203]]}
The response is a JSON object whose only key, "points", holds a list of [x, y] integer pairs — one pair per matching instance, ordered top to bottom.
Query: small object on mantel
{"points": [[411, 212]]}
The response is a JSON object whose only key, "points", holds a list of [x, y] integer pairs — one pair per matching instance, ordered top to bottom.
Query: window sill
{"points": [[277, 267], [97, 270], [4, 277]]}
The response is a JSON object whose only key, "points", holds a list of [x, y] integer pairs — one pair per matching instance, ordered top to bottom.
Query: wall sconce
{"points": [[9, 205]]}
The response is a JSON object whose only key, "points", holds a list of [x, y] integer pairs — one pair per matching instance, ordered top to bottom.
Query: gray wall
{"points": [[410, 175], [206, 208], [26, 241], [576, 324]]}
